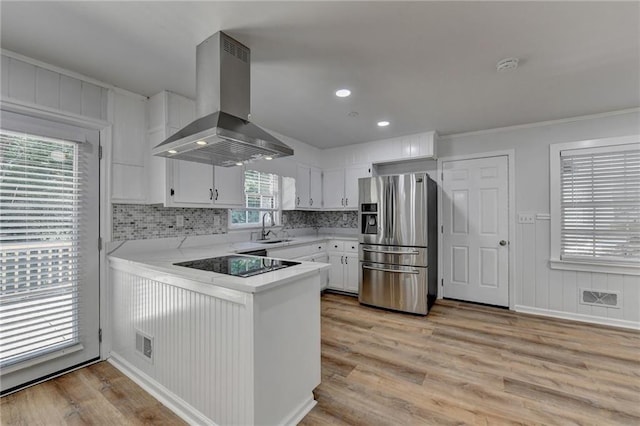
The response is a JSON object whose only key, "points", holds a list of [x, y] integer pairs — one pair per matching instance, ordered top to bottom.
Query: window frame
{"points": [[277, 212], [555, 261]]}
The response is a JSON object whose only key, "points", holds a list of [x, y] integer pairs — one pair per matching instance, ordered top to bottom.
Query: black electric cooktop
{"points": [[238, 266]]}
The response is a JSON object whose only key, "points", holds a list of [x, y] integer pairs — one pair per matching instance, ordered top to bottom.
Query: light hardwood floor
{"points": [[462, 364]]}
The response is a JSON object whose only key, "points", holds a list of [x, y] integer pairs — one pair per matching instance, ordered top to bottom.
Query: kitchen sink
{"points": [[272, 241]]}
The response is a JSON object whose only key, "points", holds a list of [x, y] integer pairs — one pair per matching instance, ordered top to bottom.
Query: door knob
{"points": [[503, 243]]}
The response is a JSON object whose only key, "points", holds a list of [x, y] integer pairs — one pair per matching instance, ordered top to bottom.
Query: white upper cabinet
{"points": [[128, 154], [177, 183], [228, 185], [333, 185], [341, 187], [308, 188]]}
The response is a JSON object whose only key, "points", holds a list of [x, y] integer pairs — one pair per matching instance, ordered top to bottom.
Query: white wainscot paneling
{"points": [[545, 291], [195, 356], [226, 356]]}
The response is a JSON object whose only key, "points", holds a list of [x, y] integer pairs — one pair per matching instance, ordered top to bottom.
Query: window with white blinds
{"points": [[261, 194], [600, 204], [40, 228]]}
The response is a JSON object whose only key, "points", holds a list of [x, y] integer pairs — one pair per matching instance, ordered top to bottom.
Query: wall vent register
{"points": [[238, 266]]}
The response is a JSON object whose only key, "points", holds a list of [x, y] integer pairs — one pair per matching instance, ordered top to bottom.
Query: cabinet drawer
{"points": [[336, 245], [351, 246]]}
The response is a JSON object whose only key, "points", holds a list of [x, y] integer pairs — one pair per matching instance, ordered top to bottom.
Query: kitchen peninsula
{"points": [[216, 348]]}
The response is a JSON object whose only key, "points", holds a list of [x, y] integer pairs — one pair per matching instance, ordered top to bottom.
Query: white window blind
{"points": [[261, 193], [600, 204], [40, 228]]}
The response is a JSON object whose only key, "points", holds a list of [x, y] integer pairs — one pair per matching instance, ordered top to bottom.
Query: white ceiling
{"points": [[420, 65]]}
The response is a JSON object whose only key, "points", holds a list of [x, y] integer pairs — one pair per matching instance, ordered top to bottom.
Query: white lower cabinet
{"points": [[343, 258]]}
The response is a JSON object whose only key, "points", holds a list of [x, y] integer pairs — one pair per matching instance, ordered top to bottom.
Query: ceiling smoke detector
{"points": [[507, 64]]}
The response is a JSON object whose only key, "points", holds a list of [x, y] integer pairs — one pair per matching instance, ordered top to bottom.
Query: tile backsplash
{"points": [[141, 221]]}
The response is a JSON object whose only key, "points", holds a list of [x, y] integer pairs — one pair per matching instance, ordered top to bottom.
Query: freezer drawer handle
{"points": [[390, 251], [413, 271]]}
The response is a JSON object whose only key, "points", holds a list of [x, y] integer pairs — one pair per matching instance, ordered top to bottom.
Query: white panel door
{"points": [[333, 189], [476, 230]]}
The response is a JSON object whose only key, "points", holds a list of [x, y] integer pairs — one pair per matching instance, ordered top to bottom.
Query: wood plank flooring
{"points": [[462, 364], [472, 364], [94, 395]]}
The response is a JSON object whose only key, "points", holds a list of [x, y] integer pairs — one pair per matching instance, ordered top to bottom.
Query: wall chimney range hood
{"points": [[222, 134]]}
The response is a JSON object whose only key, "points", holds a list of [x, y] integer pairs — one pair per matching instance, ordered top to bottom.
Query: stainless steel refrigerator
{"points": [[397, 219]]}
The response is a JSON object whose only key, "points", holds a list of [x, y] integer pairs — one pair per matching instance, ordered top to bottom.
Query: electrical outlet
{"points": [[344, 217], [526, 218], [216, 220], [179, 221]]}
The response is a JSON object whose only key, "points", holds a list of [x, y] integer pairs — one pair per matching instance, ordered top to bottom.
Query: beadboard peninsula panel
{"points": [[30, 84], [540, 289], [199, 344]]}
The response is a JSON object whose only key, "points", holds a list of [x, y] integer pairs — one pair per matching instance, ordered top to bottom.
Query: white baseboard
{"points": [[578, 317], [172, 401], [303, 409]]}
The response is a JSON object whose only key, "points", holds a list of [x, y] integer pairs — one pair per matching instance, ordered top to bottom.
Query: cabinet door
{"points": [[351, 176], [192, 183], [229, 186], [302, 187], [315, 188], [333, 189], [336, 272], [351, 273]]}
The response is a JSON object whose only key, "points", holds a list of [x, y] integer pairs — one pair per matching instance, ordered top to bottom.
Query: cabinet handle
{"points": [[172, 192], [210, 194], [216, 195], [297, 201], [311, 201], [346, 201], [342, 202], [342, 259], [345, 260]]}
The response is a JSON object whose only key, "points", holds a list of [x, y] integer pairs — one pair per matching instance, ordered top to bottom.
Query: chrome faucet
{"points": [[263, 235]]}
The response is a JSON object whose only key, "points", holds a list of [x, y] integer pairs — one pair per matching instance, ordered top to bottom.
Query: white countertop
{"points": [[154, 259]]}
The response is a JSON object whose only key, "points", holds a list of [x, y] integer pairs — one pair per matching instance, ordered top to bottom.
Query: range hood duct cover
{"points": [[222, 134]]}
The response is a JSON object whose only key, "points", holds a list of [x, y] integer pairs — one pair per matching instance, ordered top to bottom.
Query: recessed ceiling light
{"points": [[507, 64], [343, 93], [383, 123], [201, 143], [172, 151], [268, 158], [239, 163]]}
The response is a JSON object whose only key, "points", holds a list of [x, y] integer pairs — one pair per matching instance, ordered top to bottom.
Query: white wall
{"points": [[539, 288]]}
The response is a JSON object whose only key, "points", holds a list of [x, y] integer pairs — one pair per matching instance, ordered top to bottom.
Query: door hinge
{"points": [[99, 152], [99, 243], [100, 335]]}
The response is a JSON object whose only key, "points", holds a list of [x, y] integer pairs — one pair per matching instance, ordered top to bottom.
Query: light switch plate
{"points": [[344, 217], [526, 217], [216, 220]]}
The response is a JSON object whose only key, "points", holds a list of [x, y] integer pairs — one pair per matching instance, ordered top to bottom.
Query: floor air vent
{"points": [[609, 299], [144, 346]]}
